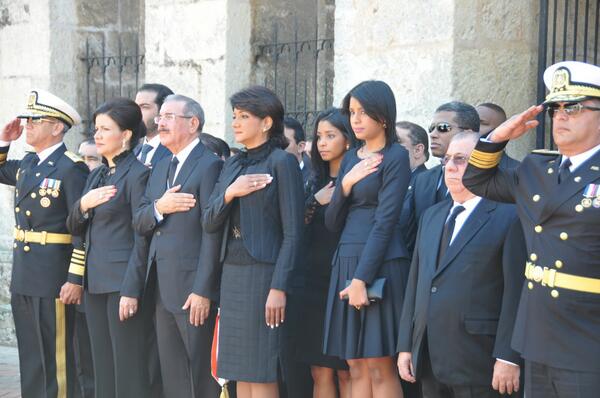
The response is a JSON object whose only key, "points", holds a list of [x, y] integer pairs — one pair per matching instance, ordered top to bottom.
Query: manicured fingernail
{"points": [[272, 327]]}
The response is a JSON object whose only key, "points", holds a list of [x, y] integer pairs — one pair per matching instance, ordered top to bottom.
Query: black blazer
{"points": [[160, 153], [307, 169], [371, 213], [271, 218], [408, 222], [111, 244], [185, 254], [40, 270], [466, 306], [555, 326]]}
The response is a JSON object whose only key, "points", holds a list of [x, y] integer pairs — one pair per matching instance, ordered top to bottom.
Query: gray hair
{"points": [[190, 108], [472, 136]]}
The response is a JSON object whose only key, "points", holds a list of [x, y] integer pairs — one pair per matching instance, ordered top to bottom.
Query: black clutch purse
{"points": [[374, 290]]}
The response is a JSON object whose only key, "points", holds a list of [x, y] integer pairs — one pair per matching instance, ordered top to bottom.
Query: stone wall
{"points": [[200, 48], [432, 52]]}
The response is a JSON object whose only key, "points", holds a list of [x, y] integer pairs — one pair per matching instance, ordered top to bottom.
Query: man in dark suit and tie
{"points": [[150, 98], [296, 136], [429, 187], [186, 257], [463, 292], [557, 329]]}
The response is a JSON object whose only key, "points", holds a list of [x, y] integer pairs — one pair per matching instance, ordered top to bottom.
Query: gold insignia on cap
{"points": [[563, 88], [31, 99]]}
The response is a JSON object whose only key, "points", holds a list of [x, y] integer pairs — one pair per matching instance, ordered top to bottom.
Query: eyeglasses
{"points": [[570, 109], [169, 117], [37, 120], [443, 127], [458, 160]]}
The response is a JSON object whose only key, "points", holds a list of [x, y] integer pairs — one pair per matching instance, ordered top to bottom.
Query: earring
{"points": [[384, 126], [124, 145], [347, 146]]}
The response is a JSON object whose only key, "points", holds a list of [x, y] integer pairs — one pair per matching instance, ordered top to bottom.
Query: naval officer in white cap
{"points": [[557, 194], [47, 260]]}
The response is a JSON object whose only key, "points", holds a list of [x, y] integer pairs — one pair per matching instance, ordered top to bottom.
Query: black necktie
{"points": [[146, 148], [172, 170], [564, 171], [448, 231]]}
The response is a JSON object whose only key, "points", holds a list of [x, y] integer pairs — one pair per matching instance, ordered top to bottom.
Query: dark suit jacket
{"points": [[160, 153], [506, 162], [307, 169], [271, 218], [408, 221], [111, 245], [185, 254], [40, 270], [467, 305], [555, 326]]}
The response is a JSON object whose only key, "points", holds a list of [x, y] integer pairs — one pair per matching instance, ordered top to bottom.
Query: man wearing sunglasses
{"points": [[429, 187], [45, 276], [557, 329]]}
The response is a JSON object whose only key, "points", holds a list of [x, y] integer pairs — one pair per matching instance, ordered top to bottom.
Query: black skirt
{"points": [[372, 331], [248, 348]]}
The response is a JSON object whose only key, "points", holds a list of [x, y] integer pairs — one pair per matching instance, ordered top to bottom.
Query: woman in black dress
{"points": [[332, 138], [258, 201], [365, 207], [103, 216]]}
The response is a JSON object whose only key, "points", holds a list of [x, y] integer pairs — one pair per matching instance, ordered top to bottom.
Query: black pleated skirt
{"points": [[372, 331], [248, 348]]}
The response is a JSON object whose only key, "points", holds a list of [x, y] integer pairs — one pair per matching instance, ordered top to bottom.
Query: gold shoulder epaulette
{"points": [[546, 152], [75, 158]]}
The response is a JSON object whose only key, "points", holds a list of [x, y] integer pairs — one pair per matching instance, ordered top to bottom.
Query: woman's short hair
{"points": [[262, 102], [378, 102], [126, 114], [340, 121], [216, 145]]}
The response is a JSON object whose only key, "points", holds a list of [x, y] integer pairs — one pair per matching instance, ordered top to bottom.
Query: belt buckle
{"points": [[21, 235], [44, 236], [537, 273], [549, 277]]}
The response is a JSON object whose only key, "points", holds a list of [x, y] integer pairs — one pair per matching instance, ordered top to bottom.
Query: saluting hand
{"points": [[517, 125], [12, 131], [361, 170], [246, 184], [96, 197], [174, 201], [70, 293], [356, 294], [128, 307], [199, 308], [275, 308], [405, 367]]}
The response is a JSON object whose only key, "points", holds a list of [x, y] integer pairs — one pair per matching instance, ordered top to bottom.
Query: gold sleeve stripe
{"points": [[3, 157], [485, 160], [77, 251], [78, 256], [77, 261], [76, 269]]}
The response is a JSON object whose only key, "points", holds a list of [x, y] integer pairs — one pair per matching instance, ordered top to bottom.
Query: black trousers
{"points": [[44, 328], [118, 349], [184, 353], [83, 356], [542, 381], [433, 388]]}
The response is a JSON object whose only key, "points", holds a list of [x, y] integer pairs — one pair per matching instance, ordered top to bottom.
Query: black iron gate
{"points": [[569, 30], [299, 70], [109, 75]]}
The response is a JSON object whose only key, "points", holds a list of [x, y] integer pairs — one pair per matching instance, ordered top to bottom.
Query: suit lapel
{"points": [[137, 149], [160, 153], [189, 164], [586, 173], [34, 176], [477, 219], [434, 235]]}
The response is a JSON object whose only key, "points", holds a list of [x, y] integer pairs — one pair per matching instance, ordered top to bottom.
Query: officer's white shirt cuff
{"points": [[4, 143], [157, 215], [508, 362]]}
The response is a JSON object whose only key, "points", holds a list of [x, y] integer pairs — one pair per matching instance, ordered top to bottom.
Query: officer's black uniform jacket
{"points": [[40, 270], [554, 326]]}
